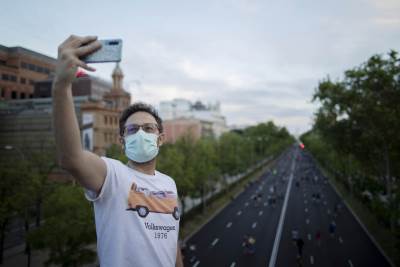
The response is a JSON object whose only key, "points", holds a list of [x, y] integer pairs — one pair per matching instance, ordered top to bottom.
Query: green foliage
{"points": [[355, 133], [115, 151], [68, 228]]}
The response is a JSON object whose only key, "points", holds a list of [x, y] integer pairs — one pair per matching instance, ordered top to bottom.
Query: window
{"points": [[2, 62], [24, 65], [31, 67], [39, 69], [47, 71], [4, 77], [13, 78], [22, 80], [31, 82], [13, 95], [30, 95], [22, 96], [105, 119]]}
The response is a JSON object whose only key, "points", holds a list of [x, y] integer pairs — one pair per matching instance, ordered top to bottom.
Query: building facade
{"points": [[20, 69], [182, 117], [100, 119], [27, 123]]}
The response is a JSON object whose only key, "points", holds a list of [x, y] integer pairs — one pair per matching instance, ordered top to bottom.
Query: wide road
{"points": [[294, 179]]}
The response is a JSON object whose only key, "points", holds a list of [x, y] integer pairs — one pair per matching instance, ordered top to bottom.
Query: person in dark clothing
{"points": [[300, 245]]}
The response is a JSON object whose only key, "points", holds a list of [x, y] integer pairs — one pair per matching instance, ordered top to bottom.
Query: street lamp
{"points": [[10, 147]]}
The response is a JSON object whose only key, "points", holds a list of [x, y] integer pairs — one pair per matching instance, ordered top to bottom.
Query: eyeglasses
{"points": [[147, 127]]}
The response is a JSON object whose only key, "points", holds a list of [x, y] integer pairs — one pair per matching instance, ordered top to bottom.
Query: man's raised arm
{"points": [[89, 169]]}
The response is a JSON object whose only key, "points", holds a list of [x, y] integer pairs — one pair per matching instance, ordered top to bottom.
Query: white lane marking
{"points": [[304, 195], [305, 202], [325, 203], [246, 204], [265, 204], [306, 210], [329, 211], [239, 212], [260, 213], [307, 221], [229, 224], [254, 225], [309, 237], [340, 239], [214, 242], [274, 254], [312, 259], [196, 263], [350, 263], [233, 264]]}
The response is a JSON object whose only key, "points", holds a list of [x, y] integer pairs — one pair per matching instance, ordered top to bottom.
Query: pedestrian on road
{"points": [[332, 228], [124, 229], [295, 235], [318, 237], [249, 244], [300, 245]]}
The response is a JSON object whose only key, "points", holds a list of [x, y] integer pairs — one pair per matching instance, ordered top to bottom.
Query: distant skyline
{"points": [[262, 60]]}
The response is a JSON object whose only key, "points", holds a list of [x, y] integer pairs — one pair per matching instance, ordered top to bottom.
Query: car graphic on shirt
{"points": [[144, 201]]}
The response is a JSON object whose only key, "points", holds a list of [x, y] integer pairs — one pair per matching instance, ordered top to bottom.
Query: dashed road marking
{"points": [[305, 202], [246, 204], [265, 204], [306, 210], [329, 211], [239, 212], [260, 213], [307, 221], [229, 225], [254, 225], [309, 237], [340, 239], [214, 242], [312, 259], [196, 263], [350, 263], [233, 264]]}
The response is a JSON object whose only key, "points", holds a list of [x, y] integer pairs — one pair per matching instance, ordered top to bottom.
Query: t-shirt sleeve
{"points": [[110, 182]]}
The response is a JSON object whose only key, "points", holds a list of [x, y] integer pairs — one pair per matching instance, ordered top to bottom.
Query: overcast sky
{"points": [[261, 59]]}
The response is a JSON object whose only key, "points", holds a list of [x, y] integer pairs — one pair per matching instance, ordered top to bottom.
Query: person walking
{"points": [[332, 228], [318, 237], [300, 245]]}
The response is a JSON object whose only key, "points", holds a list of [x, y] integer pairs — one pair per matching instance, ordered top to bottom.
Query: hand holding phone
{"points": [[110, 51]]}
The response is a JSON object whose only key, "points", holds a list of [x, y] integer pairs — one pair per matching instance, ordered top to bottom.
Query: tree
{"points": [[360, 117], [11, 183], [68, 229]]}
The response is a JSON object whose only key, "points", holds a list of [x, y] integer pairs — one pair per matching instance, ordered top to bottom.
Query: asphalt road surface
{"points": [[291, 201]]}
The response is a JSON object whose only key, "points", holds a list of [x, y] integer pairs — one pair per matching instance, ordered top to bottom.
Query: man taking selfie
{"points": [[136, 207]]}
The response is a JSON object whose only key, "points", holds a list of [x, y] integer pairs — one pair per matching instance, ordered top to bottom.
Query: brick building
{"points": [[20, 69]]}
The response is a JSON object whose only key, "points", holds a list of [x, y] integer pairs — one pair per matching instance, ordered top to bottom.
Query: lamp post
{"points": [[10, 147]]}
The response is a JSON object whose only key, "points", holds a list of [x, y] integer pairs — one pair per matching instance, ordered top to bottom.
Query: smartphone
{"points": [[110, 51]]}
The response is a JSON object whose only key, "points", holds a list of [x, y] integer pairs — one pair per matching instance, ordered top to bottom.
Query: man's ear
{"points": [[161, 139], [122, 141]]}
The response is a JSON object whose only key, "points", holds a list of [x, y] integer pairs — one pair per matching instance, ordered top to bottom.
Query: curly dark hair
{"points": [[136, 107]]}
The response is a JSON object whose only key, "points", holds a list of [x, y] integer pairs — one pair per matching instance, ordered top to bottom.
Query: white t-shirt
{"points": [[137, 218]]}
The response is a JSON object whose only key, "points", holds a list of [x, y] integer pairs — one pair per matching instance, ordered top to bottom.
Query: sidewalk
{"points": [[15, 257]]}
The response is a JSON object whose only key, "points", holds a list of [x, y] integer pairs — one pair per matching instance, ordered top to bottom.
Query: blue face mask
{"points": [[141, 146]]}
